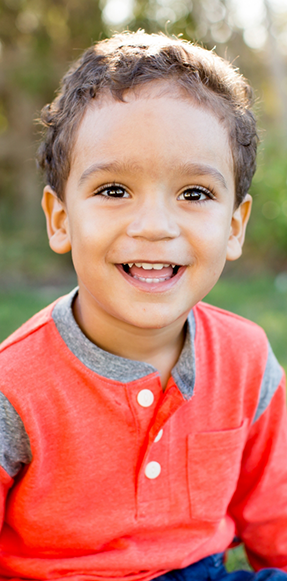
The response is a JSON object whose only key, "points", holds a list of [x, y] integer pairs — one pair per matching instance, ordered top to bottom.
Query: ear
{"points": [[57, 221], [239, 222]]}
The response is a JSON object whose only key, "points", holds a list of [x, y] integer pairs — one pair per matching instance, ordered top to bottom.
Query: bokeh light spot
{"points": [[117, 11]]}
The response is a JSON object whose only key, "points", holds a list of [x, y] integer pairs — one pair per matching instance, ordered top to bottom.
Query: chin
{"points": [[152, 320]]}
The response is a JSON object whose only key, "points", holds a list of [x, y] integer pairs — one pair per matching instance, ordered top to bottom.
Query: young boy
{"points": [[143, 431]]}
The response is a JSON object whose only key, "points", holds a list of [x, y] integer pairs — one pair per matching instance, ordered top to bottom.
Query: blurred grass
{"points": [[262, 300], [17, 305], [236, 559]]}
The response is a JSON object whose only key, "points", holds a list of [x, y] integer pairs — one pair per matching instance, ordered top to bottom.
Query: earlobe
{"points": [[56, 221], [239, 222]]}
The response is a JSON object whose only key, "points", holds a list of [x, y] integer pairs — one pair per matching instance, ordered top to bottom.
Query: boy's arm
{"points": [[15, 449], [259, 505]]}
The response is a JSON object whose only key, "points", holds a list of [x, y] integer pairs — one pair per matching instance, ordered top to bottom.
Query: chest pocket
{"points": [[214, 461]]}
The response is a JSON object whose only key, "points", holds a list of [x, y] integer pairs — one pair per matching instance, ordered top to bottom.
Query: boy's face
{"points": [[151, 184]]}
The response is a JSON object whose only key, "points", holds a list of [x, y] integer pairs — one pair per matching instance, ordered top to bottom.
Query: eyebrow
{"points": [[111, 167], [187, 168], [202, 170]]}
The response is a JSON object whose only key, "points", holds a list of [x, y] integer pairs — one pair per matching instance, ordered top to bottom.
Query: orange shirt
{"points": [[128, 481]]}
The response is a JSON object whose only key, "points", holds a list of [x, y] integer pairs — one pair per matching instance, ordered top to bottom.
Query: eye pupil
{"points": [[115, 191], [192, 194]]}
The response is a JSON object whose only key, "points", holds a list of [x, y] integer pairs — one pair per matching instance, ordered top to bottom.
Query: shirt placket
{"points": [[152, 409]]}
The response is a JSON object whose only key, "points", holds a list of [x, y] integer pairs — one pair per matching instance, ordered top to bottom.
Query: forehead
{"points": [[158, 118]]}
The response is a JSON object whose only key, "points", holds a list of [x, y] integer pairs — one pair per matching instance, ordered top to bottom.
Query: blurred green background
{"points": [[38, 40]]}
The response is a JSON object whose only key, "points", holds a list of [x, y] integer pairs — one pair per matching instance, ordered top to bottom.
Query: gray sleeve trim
{"points": [[271, 379], [15, 447]]}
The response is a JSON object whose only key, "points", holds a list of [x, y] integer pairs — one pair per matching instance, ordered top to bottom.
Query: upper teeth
{"points": [[149, 265]]}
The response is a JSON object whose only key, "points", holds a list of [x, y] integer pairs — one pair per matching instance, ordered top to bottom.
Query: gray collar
{"points": [[118, 368]]}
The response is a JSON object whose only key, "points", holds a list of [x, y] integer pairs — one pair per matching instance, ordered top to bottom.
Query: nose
{"points": [[154, 222]]}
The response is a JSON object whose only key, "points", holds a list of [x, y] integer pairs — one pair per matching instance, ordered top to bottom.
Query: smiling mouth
{"points": [[151, 273]]}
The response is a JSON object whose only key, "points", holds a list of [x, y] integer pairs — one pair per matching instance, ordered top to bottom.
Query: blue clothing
{"points": [[212, 569]]}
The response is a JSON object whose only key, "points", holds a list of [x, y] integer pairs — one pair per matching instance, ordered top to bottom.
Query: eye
{"points": [[112, 191], [195, 194]]}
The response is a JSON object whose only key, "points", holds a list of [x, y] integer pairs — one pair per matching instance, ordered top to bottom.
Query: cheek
{"points": [[87, 229], [209, 236], [95, 244]]}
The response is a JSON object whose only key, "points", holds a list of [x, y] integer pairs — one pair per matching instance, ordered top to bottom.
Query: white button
{"points": [[145, 398], [157, 439], [152, 470]]}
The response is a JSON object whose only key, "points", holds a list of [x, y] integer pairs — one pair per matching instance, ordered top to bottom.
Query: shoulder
{"points": [[229, 326], [29, 328], [27, 344], [234, 344], [237, 351], [22, 357], [25, 360]]}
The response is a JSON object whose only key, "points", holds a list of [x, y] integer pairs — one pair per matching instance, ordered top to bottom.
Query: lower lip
{"points": [[153, 287]]}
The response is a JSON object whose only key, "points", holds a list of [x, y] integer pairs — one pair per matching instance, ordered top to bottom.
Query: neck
{"points": [[158, 347]]}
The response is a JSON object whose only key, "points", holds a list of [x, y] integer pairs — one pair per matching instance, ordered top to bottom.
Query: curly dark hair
{"points": [[130, 59]]}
